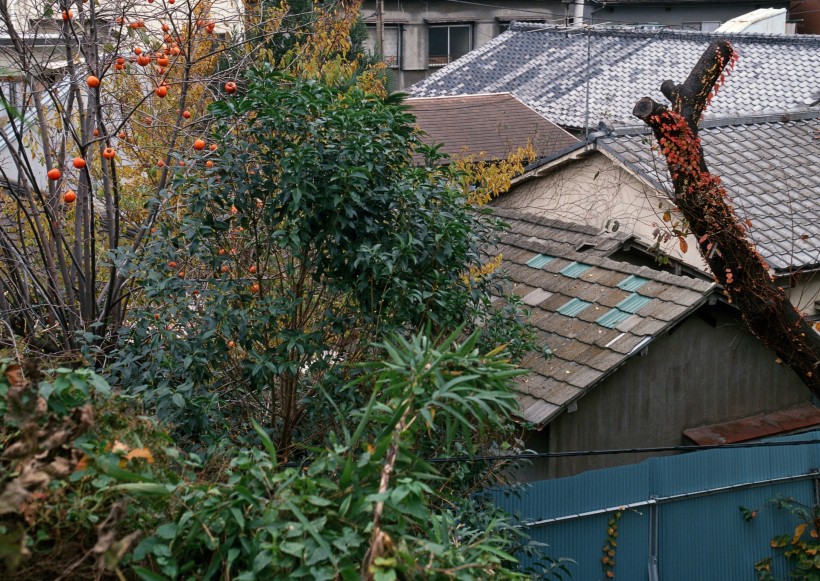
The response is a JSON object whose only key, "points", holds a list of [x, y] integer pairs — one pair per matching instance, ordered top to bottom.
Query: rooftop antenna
{"points": [[589, 65]]}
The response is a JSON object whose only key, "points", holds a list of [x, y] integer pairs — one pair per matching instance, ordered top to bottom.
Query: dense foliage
{"points": [[309, 237], [309, 324], [366, 501]]}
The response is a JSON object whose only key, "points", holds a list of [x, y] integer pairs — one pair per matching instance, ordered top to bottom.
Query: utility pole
{"points": [[380, 28]]}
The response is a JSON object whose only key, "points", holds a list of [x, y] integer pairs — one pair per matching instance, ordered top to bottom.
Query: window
{"points": [[705, 26], [448, 42], [392, 44]]}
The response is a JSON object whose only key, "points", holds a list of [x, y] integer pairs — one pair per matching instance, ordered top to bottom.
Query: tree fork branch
{"points": [[722, 236]]}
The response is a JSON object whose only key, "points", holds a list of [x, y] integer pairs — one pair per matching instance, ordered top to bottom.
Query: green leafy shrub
{"points": [[312, 236], [130, 501], [367, 501]]}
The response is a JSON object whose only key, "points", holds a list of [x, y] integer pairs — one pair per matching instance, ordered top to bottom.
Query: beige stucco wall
{"points": [[593, 191], [803, 291]]}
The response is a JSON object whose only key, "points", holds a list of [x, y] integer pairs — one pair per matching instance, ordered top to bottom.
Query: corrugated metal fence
{"points": [[683, 520]]}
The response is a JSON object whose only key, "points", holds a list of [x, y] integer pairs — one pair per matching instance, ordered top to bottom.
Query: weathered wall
{"points": [[676, 16], [485, 20], [592, 191], [803, 290], [699, 374]]}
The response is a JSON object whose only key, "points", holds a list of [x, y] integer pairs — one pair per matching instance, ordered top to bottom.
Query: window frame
{"points": [[387, 26], [448, 58]]}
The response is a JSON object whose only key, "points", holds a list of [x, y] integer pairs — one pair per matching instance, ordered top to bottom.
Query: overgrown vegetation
{"points": [[303, 320], [124, 499], [801, 548]]}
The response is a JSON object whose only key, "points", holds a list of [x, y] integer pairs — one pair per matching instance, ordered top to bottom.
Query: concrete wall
{"points": [[485, 21], [705, 371]]}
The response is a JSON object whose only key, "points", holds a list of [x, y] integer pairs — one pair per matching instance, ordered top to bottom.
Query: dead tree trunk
{"points": [[722, 237]]}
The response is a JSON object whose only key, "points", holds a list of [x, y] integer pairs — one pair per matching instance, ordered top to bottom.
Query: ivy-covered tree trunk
{"points": [[722, 236]]}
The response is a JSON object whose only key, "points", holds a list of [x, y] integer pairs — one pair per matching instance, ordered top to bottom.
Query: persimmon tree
{"points": [[89, 79], [106, 104], [722, 236]]}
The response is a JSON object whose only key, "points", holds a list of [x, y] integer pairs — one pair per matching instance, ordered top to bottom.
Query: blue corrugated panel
{"points": [[540, 260], [575, 269], [632, 283], [633, 303], [573, 308], [612, 318], [697, 497]]}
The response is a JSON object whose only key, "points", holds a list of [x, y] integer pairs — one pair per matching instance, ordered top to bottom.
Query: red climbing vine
{"points": [[722, 236]]}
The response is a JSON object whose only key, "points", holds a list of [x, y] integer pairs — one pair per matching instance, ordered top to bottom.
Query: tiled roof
{"points": [[546, 67], [495, 125], [770, 169], [565, 237], [611, 310], [796, 418]]}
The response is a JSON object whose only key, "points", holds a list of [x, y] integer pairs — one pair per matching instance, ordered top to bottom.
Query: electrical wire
{"points": [[606, 452], [544, 455]]}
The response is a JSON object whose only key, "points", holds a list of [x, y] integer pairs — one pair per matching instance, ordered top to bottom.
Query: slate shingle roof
{"points": [[546, 67], [493, 124], [771, 171], [613, 309]]}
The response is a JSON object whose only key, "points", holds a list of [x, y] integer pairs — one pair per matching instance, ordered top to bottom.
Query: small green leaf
{"points": [[266, 441], [238, 517], [167, 531], [295, 549], [148, 575]]}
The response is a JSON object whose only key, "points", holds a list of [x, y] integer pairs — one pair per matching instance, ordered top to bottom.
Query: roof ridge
{"points": [[810, 39], [468, 96], [718, 122], [542, 221], [554, 248]]}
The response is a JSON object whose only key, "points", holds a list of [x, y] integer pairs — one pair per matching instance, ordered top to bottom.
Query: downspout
{"points": [[578, 17]]}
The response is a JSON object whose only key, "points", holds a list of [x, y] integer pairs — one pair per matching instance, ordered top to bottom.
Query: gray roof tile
{"points": [[546, 67], [783, 206], [584, 351]]}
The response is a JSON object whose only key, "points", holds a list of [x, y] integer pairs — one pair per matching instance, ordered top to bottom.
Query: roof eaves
{"points": [[566, 155], [627, 166]]}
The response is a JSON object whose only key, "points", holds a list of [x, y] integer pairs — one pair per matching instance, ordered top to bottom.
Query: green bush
{"points": [[312, 236], [368, 501]]}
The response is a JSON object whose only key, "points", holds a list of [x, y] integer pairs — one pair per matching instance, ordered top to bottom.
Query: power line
{"points": [[690, 448], [608, 452]]}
